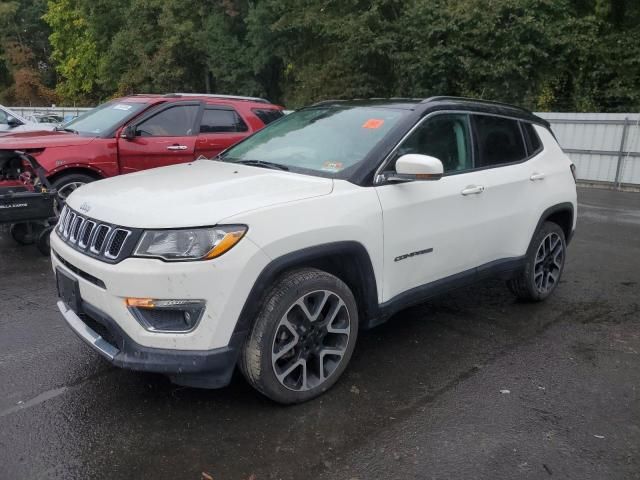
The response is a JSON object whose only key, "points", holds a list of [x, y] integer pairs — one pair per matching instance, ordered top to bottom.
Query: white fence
{"points": [[62, 111], [604, 146]]}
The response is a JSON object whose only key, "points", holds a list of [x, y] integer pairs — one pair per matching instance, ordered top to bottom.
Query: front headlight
{"points": [[189, 244]]}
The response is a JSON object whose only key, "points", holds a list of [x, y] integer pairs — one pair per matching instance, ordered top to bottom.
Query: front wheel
{"points": [[66, 185], [544, 264], [303, 337]]}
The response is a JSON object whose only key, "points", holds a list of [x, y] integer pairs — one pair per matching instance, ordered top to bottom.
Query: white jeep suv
{"points": [[274, 255]]}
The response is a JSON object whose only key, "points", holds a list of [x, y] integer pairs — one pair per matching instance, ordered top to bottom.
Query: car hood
{"points": [[35, 127], [40, 139], [200, 193]]}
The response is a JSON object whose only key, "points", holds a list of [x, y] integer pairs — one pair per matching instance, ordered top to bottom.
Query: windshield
{"points": [[104, 118], [325, 139]]}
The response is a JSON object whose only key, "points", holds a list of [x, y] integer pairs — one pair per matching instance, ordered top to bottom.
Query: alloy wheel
{"points": [[63, 192], [548, 263], [311, 340]]}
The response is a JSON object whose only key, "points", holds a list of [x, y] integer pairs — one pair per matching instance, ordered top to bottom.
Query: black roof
{"points": [[427, 105]]}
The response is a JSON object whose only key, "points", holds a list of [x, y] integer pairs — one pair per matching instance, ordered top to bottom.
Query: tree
{"points": [[25, 71]]}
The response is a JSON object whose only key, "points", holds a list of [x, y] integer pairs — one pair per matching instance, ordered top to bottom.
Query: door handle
{"points": [[177, 147], [536, 176], [472, 190]]}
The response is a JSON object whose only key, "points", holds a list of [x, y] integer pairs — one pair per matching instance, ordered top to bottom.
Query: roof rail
{"points": [[215, 95], [395, 99], [466, 99]]}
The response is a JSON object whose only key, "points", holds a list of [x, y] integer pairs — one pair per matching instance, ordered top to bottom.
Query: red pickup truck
{"points": [[138, 132]]}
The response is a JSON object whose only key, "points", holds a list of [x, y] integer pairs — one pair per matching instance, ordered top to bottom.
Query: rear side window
{"points": [[268, 115], [217, 120], [499, 140], [534, 145]]}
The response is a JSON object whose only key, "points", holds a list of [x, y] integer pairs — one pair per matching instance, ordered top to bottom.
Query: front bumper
{"points": [[223, 283], [195, 368]]}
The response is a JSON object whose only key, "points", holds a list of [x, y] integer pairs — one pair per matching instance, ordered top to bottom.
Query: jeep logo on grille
{"points": [[85, 207]]}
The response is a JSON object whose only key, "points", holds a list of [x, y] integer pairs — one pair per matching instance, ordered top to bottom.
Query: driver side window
{"points": [[3, 118], [175, 121], [445, 137]]}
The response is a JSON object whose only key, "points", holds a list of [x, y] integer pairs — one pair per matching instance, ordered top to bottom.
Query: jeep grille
{"points": [[101, 240]]}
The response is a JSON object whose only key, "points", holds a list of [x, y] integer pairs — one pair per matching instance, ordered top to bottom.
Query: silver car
{"points": [[11, 122]]}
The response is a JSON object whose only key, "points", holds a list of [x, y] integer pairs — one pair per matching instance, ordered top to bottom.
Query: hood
{"points": [[34, 127], [40, 139], [189, 195]]}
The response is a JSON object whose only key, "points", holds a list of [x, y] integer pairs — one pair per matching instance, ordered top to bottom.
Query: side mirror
{"points": [[13, 122], [129, 132], [414, 166]]}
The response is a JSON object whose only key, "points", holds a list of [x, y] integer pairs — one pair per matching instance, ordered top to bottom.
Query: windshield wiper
{"points": [[66, 129], [262, 163]]}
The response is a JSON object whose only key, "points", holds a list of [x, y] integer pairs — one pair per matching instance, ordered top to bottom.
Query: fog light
{"points": [[167, 316]]}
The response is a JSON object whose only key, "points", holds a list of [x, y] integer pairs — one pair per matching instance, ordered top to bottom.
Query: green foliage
{"points": [[75, 49], [542, 54], [25, 72]]}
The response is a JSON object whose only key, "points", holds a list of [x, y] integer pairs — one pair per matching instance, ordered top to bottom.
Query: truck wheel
{"points": [[67, 184], [24, 233], [43, 241], [544, 265], [303, 337]]}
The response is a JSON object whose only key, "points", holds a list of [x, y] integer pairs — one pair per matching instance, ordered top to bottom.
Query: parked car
{"points": [[52, 118], [11, 122], [140, 132], [328, 221]]}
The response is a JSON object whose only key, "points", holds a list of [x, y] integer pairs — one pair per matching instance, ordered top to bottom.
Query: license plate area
{"points": [[69, 290]]}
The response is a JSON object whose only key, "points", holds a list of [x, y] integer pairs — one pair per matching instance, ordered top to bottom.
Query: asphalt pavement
{"points": [[473, 385]]}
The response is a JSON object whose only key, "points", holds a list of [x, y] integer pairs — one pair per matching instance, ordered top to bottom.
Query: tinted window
{"points": [[267, 115], [3, 117], [220, 120], [173, 122], [445, 137], [499, 141], [534, 144]]}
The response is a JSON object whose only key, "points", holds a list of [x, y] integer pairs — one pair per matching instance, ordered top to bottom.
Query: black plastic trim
{"points": [[560, 207], [126, 251], [503, 268], [81, 273], [366, 281], [197, 368]]}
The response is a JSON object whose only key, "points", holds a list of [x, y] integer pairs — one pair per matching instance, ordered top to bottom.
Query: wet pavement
{"points": [[473, 385]]}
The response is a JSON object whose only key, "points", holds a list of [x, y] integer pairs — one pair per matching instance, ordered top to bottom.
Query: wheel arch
{"points": [[71, 169], [562, 215], [348, 260]]}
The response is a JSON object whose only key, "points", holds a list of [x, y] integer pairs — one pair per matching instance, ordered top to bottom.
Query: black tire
{"points": [[64, 185], [24, 233], [43, 242], [529, 285], [258, 361]]}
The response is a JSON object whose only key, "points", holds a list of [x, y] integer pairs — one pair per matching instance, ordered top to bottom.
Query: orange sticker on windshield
{"points": [[373, 123]]}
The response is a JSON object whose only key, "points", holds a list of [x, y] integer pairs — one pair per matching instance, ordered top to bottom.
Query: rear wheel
{"points": [[66, 185], [544, 264], [303, 337]]}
